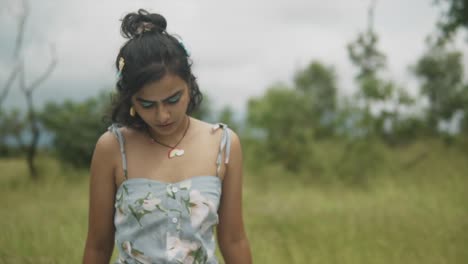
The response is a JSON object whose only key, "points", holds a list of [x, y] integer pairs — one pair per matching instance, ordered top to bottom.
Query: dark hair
{"points": [[149, 54]]}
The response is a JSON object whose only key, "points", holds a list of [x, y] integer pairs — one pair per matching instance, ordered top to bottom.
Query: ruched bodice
{"points": [[159, 222]]}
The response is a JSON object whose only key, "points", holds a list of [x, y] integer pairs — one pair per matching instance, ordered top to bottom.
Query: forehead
{"points": [[161, 89]]}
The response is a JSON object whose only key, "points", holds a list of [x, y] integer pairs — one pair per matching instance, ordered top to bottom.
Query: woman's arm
{"points": [[100, 239], [232, 239]]}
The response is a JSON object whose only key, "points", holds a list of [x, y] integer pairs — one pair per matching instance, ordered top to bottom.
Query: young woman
{"points": [[161, 180]]}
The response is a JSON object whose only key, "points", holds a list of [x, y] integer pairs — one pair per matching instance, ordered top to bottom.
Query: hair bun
{"points": [[134, 24]]}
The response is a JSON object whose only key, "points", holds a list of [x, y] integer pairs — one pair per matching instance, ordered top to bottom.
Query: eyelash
{"points": [[173, 100], [147, 105]]}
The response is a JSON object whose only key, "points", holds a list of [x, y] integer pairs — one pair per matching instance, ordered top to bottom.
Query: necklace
{"points": [[173, 151]]}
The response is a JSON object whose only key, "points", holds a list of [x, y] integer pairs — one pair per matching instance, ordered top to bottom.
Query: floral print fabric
{"points": [[159, 222]]}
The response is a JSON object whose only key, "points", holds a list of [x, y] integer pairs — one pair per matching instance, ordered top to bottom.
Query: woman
{"points": [[161, 180]]}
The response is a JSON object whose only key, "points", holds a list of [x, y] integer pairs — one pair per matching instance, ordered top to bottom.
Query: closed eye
{"points": [[174, 99], [170, 100], [146, 104]]}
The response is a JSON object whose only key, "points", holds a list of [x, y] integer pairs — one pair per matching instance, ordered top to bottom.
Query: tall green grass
{"points": [[415, 214]]}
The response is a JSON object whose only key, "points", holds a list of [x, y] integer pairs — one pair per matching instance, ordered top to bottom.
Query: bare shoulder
{"points": [[200, 125], [208, 127], [129, 132], [107, 142], [107, 149]]}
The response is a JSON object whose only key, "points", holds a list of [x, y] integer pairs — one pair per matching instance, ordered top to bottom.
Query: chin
{"points": [[164, 131]]}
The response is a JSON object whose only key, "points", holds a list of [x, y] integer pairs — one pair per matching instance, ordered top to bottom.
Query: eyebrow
{"points": [[164, 100]]}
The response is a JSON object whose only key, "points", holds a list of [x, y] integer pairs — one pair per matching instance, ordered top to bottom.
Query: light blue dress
{"points": [[162, 222]]}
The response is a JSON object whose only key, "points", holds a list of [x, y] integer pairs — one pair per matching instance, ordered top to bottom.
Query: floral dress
{"points": [[162, 222]]}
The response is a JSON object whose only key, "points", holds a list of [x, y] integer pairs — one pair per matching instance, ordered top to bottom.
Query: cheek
{"points": [[143, 113]]}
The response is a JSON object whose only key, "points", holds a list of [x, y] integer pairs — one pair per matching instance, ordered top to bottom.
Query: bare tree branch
{"points": [[370, 14], [21, 26], [16, 53], [47, 72], [21, 77], [9, 83], [31, 121]]}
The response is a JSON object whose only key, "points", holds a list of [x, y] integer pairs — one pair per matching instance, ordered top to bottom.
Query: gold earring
{"points": [[132, 111]]}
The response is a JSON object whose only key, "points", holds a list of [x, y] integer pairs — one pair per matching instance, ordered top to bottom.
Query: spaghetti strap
{"points": [[114, 128], [224, 145]]}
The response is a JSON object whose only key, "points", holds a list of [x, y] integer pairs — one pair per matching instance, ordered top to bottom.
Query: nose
{"points": [[163, 115]]}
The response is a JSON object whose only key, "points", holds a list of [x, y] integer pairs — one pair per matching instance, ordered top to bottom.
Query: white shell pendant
{"points": [[176, 153]]}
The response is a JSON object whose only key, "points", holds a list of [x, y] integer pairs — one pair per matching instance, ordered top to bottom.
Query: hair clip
{"points": [[144, 27], [121, 65]]}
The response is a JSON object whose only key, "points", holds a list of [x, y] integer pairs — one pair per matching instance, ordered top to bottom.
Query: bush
{"points": [[76, 126]]}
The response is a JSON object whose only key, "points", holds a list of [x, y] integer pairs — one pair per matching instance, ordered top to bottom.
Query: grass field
{"points": [[418, 216]]}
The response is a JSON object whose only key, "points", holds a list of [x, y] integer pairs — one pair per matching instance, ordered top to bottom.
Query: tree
{"points": [[454, 16], [370, 61], [19, 73], [441, 73], [317, 83], [374, 91], [464, 98], [204, 112], [226, 115], [31, 117], [12, 126], [76, 126], [286, 129]]}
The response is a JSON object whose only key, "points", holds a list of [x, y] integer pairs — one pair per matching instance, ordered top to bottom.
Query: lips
{"points": [[166, 125]]}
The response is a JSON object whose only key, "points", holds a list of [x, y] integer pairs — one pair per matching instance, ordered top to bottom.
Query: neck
{"points": [[173, 138]]}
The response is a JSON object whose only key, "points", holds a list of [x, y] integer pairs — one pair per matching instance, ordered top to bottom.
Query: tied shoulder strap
{"points": [[114, 128], [224, 145]]}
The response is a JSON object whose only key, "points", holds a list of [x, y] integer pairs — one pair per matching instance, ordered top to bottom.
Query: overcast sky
{"points": [[239, 48]]}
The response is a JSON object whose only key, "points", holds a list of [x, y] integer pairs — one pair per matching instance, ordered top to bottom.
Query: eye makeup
{"points": [[173, 99], [146, 104]]}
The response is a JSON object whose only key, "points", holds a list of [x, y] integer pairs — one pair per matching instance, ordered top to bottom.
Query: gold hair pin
{"points": [[121, 65]]}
